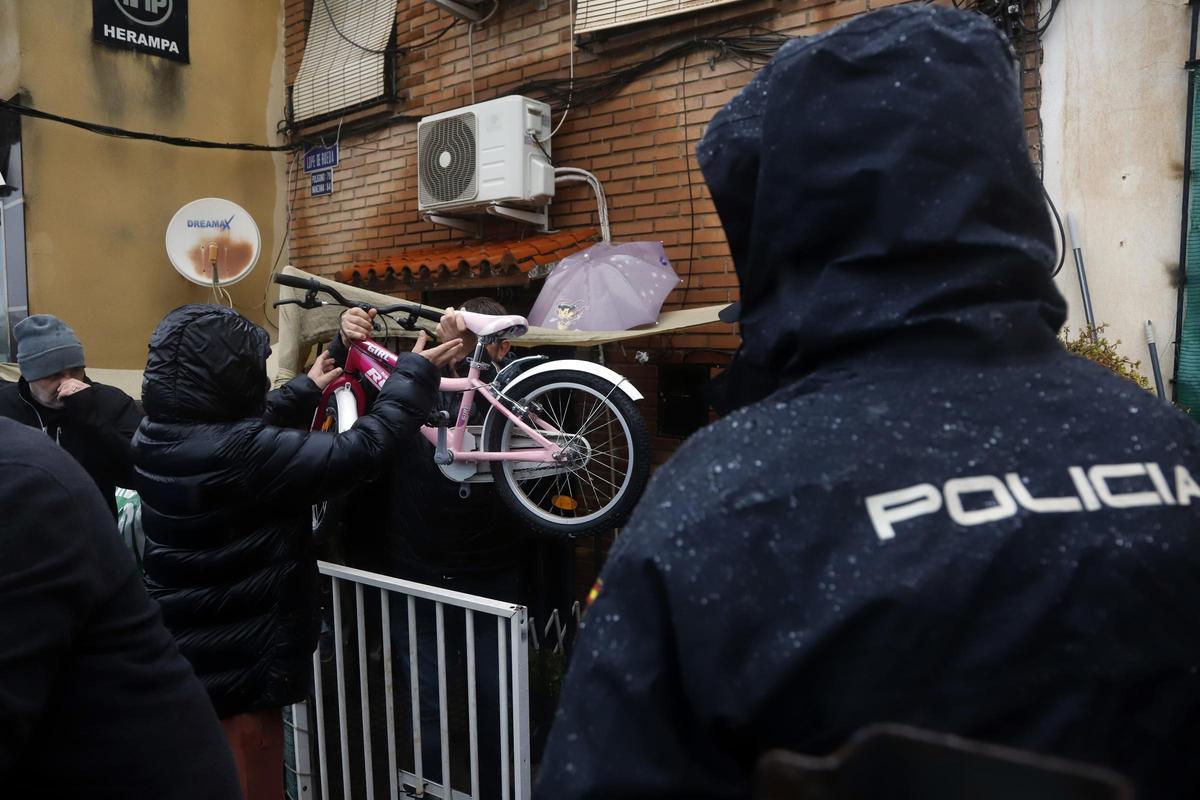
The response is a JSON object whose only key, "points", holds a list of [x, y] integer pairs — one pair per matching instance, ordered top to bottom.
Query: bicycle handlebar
{"points": [[314, 285]]}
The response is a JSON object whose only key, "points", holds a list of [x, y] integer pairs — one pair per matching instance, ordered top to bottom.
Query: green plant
{"points": [[1091, 344]]}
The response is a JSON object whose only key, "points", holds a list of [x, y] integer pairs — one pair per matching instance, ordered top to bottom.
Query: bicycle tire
{"points": [[557, 514], [327, 515]]}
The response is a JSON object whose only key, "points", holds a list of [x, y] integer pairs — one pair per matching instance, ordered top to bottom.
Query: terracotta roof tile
{"points": [[477, 260]]}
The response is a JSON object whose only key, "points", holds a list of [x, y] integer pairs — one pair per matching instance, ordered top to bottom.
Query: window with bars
{"points": [[598, 15], [347, 62]]}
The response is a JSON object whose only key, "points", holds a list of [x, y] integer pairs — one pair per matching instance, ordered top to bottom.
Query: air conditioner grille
{"points": [[446, 169]]}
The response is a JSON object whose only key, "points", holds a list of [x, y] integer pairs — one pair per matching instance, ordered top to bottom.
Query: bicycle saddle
{"points": [[506, 326]]}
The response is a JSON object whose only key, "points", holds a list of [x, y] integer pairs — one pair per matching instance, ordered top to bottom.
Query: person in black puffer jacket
{"points": [[226, 497]]}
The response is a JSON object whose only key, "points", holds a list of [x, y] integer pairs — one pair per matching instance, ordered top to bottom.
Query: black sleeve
{"points": [[337, 348], [293, 404], [108, 418], [286, 465], [47, 584], [84, 646], [625, 728]]}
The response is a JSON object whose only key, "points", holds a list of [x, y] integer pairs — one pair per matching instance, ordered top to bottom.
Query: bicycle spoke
{"points": [[602, 403], [564, 405], [566, 408], [555, 422], [595, 427], [604, 460], [599, 478], [550, 485], [595, 491], [557, 492], [570, 493], [595, 496]]}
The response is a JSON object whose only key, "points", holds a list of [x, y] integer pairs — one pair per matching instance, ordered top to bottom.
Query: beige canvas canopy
{"points": [[300, 329]]}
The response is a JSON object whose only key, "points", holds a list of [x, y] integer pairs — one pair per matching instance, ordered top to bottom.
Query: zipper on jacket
{"points": [[41, 422]]}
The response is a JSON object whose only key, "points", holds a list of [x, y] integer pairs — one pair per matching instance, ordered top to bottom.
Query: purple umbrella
{"points": [[608, 287]]}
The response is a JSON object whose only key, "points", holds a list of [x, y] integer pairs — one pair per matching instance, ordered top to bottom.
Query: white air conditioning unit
{"points": [[485, 155]]}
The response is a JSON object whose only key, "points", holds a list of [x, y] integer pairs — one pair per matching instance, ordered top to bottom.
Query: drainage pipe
{"points": [[1083, 282]]}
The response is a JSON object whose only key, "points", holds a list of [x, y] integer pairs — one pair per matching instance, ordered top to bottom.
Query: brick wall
{"points": [[639, 143]]}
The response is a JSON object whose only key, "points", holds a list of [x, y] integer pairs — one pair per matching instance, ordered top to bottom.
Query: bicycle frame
{"points": [[370, 362]]}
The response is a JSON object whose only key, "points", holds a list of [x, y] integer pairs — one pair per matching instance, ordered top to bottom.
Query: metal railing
{"points": [[408, 598]]}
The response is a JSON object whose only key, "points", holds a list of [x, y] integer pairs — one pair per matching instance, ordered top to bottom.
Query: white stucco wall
{"points": [[1113, 111]]}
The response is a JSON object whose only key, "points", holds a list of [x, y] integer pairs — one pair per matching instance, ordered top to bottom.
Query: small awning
{"points": [[476, 260]]}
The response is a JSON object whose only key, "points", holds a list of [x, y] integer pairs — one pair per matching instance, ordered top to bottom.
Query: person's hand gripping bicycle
{"points": [[357, 325]]}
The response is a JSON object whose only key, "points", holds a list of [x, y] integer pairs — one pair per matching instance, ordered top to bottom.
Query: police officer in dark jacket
{"points": [[91, 421], [226, 507], [940, 518]]}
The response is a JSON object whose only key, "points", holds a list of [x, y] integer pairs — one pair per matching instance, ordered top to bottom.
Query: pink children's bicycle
{"points": [[563, 441]]}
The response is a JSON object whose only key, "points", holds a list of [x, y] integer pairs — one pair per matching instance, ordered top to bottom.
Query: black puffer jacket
{"points": [[226, 499], [940, 518]]}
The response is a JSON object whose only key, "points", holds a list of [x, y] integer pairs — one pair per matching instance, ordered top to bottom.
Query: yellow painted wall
{"points": [[10, 50], [97, 207]]}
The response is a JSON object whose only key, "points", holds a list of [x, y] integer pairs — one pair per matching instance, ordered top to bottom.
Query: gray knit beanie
{"points": [[46, 345]]}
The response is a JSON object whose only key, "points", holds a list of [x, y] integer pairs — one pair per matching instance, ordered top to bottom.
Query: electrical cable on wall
{"points": [[1009, 15], [337, 30], [471, 44], [408, 48], [401, 49], [747, 51], [471, 58], [571, 67], [362, 126], [122, 133], [690, 158], [287, 231], [1062, 235]]}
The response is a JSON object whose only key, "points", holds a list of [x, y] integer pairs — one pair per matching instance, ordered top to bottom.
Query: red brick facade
{"points": [[639, 143]]}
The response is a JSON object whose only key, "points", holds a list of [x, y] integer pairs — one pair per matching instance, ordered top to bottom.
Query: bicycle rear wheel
{"points": [[605, 447]]}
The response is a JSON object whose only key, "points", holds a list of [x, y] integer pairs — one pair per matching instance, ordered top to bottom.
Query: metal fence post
{"points": [[512, 665]]}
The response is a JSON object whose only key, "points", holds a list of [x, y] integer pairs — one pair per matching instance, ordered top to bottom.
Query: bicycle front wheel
{"points": [[341, 412], [605, 454]]}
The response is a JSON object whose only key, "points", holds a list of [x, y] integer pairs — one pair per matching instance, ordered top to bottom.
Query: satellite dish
{"points": [[213, 242]]}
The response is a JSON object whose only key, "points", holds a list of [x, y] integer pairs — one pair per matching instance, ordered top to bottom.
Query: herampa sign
{"points": [[156, 27]]}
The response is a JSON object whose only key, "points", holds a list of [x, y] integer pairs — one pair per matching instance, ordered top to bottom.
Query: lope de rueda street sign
{"points": [[320, 157]]}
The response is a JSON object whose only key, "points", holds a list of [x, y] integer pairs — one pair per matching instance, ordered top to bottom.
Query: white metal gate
{"points": [[512, 672]]}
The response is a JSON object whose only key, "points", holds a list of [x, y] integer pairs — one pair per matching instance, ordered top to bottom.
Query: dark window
{"points": [[682, 407]]}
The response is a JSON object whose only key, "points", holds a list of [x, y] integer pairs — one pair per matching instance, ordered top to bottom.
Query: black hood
{"points": [[876, 191], [207, 363]]}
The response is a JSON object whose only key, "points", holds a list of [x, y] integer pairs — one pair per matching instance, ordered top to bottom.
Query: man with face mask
{"points": [[91, 421], [939, 518]]}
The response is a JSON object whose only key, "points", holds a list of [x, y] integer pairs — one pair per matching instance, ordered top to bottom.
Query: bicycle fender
{"points": [[577, 365], [327, 397]]}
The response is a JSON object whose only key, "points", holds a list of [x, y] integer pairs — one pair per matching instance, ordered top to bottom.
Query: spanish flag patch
{"points": [[595, 592]]}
